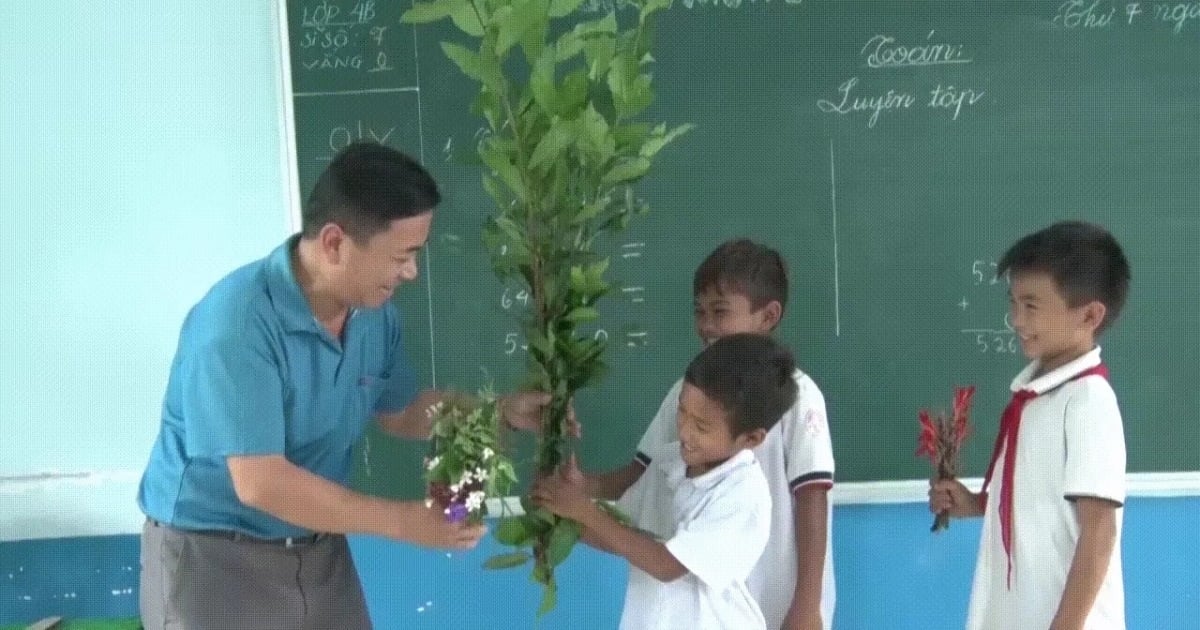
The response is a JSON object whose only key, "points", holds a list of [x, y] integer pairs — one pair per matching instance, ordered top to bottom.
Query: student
{"points": [[742, 287], [279, 369], [1053, 493], [714, 495]]}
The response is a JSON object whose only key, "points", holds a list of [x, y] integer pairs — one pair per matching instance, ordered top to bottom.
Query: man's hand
{"points": [[523, 411], [563, 493], [950, 495], [428, 527], [797, 620]]}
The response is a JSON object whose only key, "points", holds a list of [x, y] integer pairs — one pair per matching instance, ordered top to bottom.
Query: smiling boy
{"points": [[1049, 556]]}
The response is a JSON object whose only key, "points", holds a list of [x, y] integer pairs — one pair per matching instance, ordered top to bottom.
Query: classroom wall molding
{"points": [[102, 503]]}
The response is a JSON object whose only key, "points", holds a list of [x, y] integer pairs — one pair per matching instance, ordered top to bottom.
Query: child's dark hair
{"points": [[366, 187], [1084, 260], [745, 267], [751, 376]]}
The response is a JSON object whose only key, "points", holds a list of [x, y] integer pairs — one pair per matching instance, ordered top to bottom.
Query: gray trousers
{"points": [[201, 581]]}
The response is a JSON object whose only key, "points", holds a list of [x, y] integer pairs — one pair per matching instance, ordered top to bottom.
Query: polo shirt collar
{"points": [[286, 296], [1055, 377], [677, 469]]}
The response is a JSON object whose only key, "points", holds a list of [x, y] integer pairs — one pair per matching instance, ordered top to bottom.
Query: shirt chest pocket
{"points": [[368, 389], [334, 415]]}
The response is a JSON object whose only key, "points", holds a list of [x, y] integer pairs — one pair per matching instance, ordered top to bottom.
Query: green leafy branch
{"points": [[561, 156]]}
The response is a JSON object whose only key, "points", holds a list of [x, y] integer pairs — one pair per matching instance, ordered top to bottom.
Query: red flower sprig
{"points": [[942, 437]]}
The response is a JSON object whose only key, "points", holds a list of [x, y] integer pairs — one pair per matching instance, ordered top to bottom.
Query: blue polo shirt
{"points": [[256, 374]]}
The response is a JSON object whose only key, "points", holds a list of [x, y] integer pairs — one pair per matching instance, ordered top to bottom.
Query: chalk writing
{"points": [[608, 6], [1099, 14], [344, 37], [883, 51]]}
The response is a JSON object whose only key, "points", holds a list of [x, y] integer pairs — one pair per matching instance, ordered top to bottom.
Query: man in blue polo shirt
{"points": [[279, 369]]}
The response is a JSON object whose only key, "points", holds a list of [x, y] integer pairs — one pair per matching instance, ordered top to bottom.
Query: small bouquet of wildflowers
{"points": [[942, 437], [466, 465]]}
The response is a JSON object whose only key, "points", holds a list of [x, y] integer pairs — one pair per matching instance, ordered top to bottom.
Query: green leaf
{"points": [[651, 7], [563, 8], [426, 12], [466, 19], [515, 21], [534, 40], [599, 43], [568, 45], [465, 59], [490, 72], [541, 82], [572, 95], [634, 97], [594, 135], [655, 143], [552, 145], [499, 161], [627, 170], [495, 190], [582, 314], [538, 342], [543, 515], [513, 532], [562, 538], [507, 560], [549, 597]]}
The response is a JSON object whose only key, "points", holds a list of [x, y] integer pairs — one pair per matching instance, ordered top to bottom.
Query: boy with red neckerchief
{"points": [[1053, 493]]}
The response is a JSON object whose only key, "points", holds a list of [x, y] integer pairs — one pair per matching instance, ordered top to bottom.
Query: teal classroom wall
{"points": [[140, 160]]}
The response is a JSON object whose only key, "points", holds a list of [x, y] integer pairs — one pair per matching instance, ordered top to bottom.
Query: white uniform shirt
{"points": [[1070, 444], [797, 452], [720, 526]]}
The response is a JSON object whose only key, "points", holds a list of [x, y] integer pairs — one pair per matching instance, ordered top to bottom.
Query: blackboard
{"points": [[891, 150]]}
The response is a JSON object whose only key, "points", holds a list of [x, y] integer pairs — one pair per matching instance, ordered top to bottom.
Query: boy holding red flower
{"points": [[1050, 550]]}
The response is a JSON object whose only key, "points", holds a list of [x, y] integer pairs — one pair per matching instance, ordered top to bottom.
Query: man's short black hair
{"points": [[365, 188], [1084, 260], [751, 376]]}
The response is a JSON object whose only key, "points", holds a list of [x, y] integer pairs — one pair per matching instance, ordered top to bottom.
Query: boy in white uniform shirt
{"points": [[742, 287], [714, 495], [1050, 550]]}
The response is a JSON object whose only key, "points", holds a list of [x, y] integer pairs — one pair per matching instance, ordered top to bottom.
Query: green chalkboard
{"points": [[890, 149]]}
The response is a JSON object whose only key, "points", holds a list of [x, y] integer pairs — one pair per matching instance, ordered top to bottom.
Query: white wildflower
{"points": [[488, 453], [433, 463], [481, 474], [454, 489], [475, 500]]}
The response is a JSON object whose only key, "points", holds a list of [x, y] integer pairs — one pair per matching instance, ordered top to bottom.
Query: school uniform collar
{"points": [[1056, 377], [676, 469]]}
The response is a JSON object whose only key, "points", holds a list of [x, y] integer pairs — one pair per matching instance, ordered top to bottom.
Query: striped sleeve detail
{"points": [[642, 459], [819, 477]]}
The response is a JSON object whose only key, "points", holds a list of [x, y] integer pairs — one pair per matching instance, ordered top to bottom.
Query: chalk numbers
{"points": [[986, 272]]}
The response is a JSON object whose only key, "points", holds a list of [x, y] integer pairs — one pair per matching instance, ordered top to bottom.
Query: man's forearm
{"points": [[294, 495]]}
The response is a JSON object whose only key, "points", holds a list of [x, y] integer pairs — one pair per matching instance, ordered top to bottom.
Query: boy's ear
{"points": [[771, 314], [1093, 314], [752, 439]]}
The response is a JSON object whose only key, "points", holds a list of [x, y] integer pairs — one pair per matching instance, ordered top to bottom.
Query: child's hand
{"points": [[563, 493], [950, 495]]}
